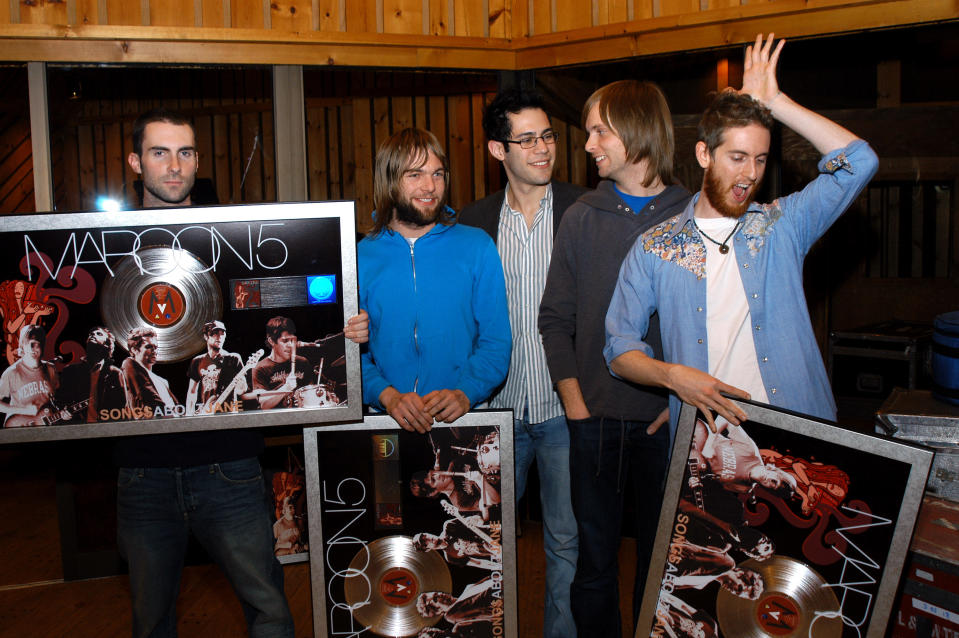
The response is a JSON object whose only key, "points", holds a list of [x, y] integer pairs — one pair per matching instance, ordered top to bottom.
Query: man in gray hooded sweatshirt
{"points": [[614, 425]]}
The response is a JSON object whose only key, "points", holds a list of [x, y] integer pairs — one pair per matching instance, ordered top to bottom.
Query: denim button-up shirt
{"points": [[666, 271]]}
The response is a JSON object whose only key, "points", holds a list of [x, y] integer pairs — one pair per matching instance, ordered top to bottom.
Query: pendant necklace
{"points": [[724, 246]]}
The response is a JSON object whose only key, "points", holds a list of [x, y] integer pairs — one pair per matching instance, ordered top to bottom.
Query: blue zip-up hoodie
{"points": [[438, 316]]}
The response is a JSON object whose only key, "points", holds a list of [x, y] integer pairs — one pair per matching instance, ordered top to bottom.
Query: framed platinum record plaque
{"points": [[168, 320], [785, 526], [413, 534]]}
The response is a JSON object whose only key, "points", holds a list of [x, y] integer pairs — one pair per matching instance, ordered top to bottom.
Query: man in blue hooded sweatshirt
{"points": [[434, 290]]}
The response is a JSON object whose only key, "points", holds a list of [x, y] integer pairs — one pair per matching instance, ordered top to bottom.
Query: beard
{"points": [[716, 194], [404, 211], [97, 352]]}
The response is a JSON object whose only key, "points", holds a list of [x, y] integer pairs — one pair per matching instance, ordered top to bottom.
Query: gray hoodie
{"points": [[594, 237]]}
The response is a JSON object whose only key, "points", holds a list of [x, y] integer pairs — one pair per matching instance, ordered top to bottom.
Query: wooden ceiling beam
{"points": [[725, 27], [653, 36], [137, 49]]}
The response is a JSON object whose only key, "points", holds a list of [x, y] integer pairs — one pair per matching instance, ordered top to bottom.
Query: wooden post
{"points": [[722, 74], [888, 83], [289, 123], [40, 136]]}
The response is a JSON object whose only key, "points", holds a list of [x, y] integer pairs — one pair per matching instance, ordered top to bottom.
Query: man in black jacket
{"points": [[522, 220], [614, 426], [207, 482]]}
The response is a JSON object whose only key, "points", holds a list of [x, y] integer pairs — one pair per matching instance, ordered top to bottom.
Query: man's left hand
{"points": [[446, 405], [658, 422]]}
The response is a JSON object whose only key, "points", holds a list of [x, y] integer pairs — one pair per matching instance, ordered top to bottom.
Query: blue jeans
{"points": [[548, 442], [604, 455], [224, 505]]}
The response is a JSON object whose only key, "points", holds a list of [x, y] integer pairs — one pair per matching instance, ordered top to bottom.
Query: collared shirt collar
{"points": [[545, 203], [686, 217]]}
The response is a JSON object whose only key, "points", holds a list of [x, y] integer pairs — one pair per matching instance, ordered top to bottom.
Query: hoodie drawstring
{"points": [[622, 445], [622, 451], [599, 454]]}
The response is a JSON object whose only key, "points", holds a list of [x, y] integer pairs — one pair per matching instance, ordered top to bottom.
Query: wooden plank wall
{"points": [[465, 18], [468, 18], [474, 18], [449, 34], [232, 111], [349, 114], [16, 153]]}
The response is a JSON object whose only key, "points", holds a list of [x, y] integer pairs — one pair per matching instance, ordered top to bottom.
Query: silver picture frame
{"points": [[240, 265], [363, 512], [785, 524]]}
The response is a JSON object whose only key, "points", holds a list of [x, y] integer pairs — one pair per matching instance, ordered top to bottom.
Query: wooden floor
{"points": [[36, 602], [207, 607]]}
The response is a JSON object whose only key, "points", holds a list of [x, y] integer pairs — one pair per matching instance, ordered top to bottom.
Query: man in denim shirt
{"points": [[726, 274]]}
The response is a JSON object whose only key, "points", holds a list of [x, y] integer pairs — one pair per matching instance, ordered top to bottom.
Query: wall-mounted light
{"points": [[107, 204]]}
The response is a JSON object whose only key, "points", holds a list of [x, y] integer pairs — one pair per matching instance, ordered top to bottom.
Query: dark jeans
{"points": [[605, 454], [224, 505]]}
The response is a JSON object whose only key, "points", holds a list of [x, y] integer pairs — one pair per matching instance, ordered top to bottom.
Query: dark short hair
{"points": [[730, 109], [638, 113], [496, 114], [156, 115], [403, 150], [276, 326], [32, 331], [138, 337], [112, 340]]}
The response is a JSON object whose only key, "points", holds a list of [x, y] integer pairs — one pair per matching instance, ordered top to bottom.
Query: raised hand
{"points": [[759, 69]]}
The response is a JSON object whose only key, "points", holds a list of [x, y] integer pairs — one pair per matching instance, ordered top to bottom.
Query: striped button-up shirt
{"points": [[525, 254]]}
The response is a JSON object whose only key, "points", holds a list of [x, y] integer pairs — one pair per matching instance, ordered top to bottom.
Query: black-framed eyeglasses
{"points": [[530, 141]]}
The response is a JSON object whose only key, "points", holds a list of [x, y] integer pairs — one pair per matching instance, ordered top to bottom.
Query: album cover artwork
{"points": [[169, 320], [284, 474], [783, 526], [414, 533]]}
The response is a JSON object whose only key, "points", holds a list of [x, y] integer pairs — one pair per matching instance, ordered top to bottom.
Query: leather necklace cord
{"points": [[724, 246]]}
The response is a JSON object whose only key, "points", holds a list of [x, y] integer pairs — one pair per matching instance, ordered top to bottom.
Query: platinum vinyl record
{"points": [[167, 289], [385, 581], [794, 601]]}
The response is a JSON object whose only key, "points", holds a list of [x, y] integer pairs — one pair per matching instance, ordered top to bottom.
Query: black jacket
{"points": [[484, 213]]}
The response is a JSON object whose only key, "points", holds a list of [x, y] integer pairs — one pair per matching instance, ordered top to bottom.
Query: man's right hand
{"points": [[357, 329], [703, 391], [572, 397], [408, 410]]}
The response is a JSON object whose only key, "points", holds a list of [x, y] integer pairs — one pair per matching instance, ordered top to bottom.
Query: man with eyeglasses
{"points": [[522, 220], [439, 329], [616, 444]]}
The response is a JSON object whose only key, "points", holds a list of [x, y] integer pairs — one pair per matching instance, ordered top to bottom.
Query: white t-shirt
{"points": [[732, 353]]}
